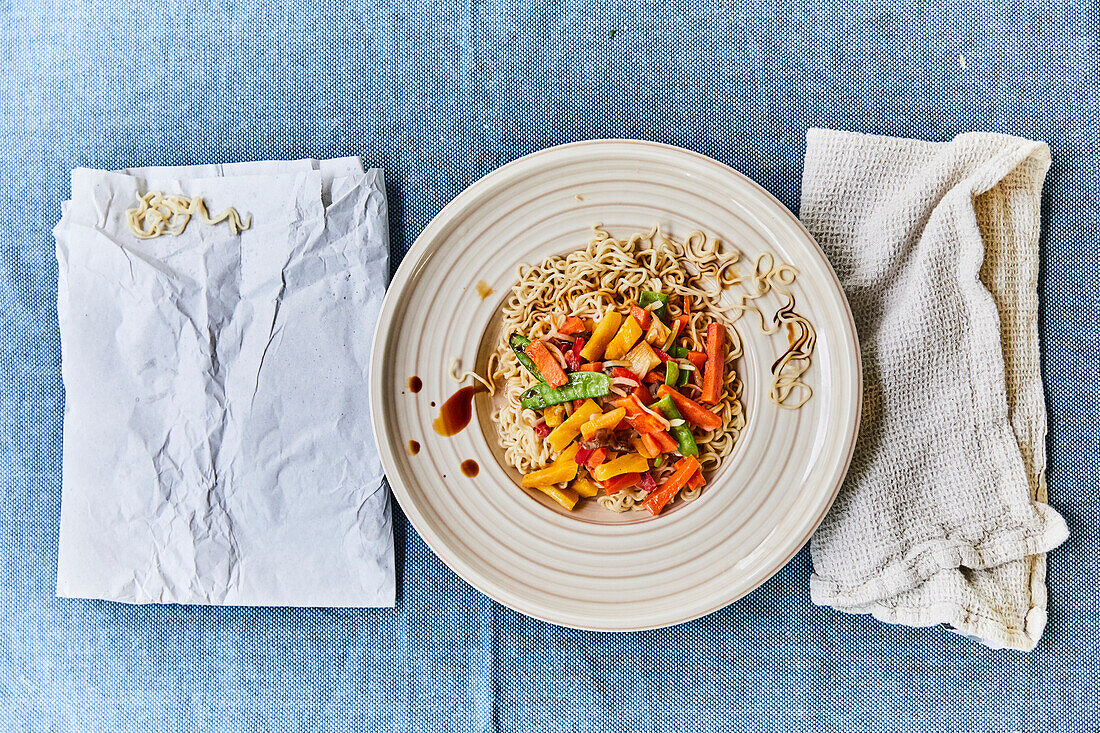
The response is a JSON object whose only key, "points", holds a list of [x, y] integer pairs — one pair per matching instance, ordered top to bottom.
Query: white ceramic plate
{"points": [[598, 570]]}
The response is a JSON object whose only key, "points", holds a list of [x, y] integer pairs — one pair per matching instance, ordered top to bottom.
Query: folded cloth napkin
{"points": [[217, 439], [942, 519]]}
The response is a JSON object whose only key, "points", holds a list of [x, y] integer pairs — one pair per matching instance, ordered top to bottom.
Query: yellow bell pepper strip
{"points": [[628, 333], [657, 333], [601, 337], [642, 358], [548, 366], [581, 386], [554, 415], [599, 422], [563, 435], [630, 463], [562, 469], [685, 469], [585, 487], [568, 498]]}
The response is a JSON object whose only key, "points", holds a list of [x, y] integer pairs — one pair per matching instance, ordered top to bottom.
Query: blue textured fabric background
{"points": [[440, 94]]}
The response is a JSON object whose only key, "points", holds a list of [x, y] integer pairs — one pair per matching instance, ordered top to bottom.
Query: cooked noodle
{"points": [[161, 213], [458, 376]]}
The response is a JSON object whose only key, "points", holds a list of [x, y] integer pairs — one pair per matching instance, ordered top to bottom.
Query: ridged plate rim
{"points": [[388, 410]]}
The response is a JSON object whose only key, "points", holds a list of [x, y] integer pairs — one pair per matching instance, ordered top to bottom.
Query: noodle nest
{"points": [[610, 273]]}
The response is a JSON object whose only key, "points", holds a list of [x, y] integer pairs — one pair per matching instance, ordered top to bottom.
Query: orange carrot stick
{"points": [[571, 325], [547, 365], [715, 366], [692, 411], [666, 441], [648, 446], [595, 458], [685, 469]]}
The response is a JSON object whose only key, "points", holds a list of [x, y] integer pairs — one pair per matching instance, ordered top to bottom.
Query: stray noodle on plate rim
{"points": [[671, 291]]}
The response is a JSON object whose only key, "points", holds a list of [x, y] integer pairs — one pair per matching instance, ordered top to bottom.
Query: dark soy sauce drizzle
{"points": [[415, 385], [456, 412], [414, 447], [470, 467]]}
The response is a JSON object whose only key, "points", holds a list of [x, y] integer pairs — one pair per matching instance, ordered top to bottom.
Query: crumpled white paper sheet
{"points": [[217, 442]]}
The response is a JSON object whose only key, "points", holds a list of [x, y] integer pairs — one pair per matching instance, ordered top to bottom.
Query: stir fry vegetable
{"points": [[647, 297], [601, 337], [519, 346], [715, 364], [548, 366], [579, 386], [619, 399], [685, 441]]}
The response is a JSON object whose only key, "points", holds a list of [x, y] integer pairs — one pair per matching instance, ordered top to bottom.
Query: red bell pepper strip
{"points": [[643, 316], [683, 321], [572, 325], [661, 355], [573, 356], [547, 365], [713, 370], [625, 374], [654, 377], [643, 395], [577, 404], [692, 411], [541, 429], [582, 455], [685, 469], [697, 480], [646, 482], [615, 484]]}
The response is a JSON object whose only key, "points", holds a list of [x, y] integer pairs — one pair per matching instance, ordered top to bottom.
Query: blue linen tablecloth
{"points": [[439, 94]]}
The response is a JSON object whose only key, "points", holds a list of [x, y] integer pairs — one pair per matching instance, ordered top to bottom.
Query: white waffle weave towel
{"points": [[942, 519]]}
